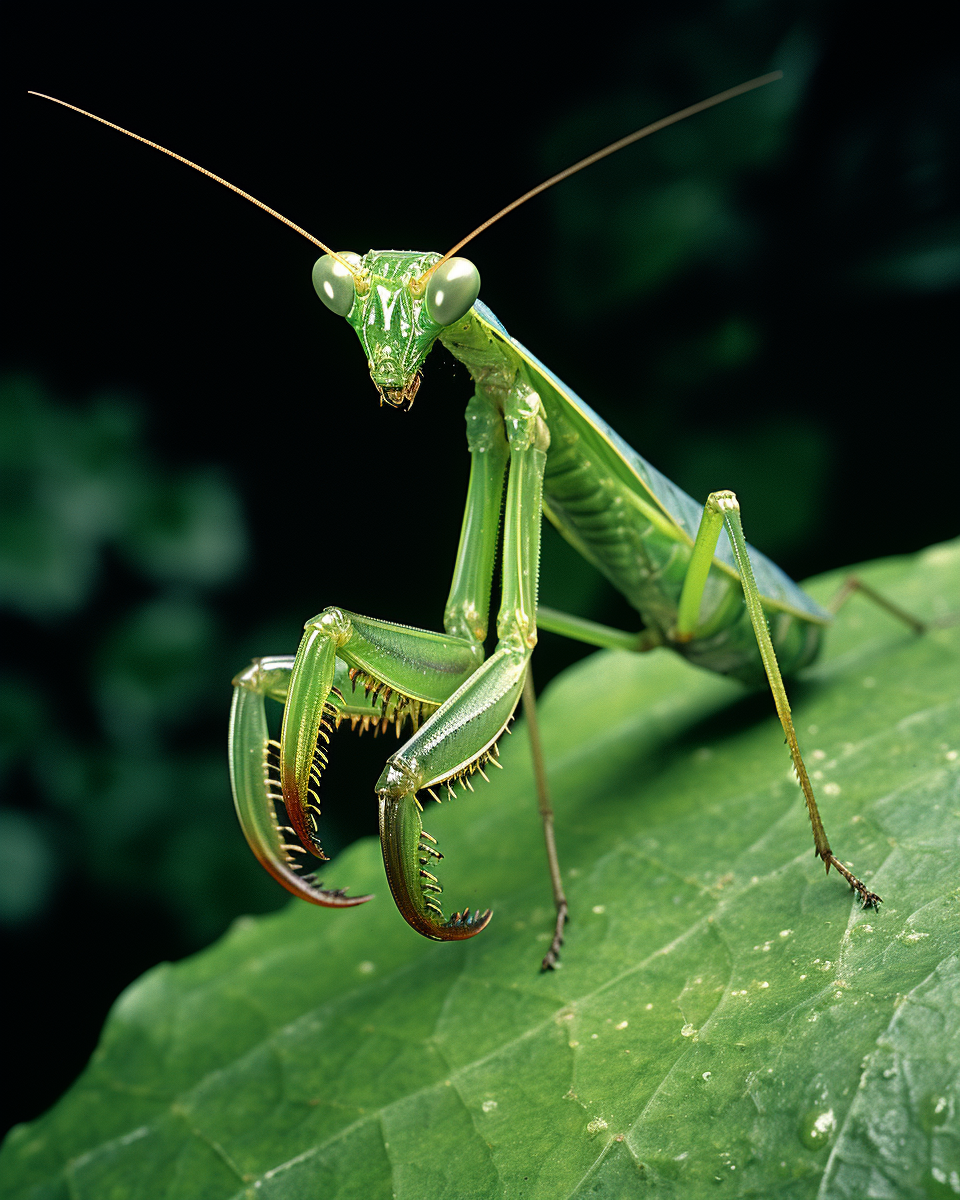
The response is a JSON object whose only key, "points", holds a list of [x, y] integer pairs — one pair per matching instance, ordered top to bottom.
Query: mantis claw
{"points": [[318, 695], [252, 766], [254, 770], [406, 850], [477, 922]]}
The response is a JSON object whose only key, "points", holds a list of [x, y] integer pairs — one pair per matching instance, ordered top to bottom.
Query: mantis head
{"points": [[398, 307]]}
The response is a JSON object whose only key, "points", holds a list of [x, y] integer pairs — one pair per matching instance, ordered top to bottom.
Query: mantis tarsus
{"points": [[534, 446]]}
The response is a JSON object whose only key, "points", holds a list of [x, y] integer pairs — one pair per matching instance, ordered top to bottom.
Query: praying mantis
{"points": [[535, 447]]}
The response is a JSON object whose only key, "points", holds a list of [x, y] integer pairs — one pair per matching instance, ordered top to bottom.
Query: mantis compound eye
{"points": [[333, 282], [452, 290]]}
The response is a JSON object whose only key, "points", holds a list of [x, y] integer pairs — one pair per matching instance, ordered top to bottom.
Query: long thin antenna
{"points": [[606, 151], [203, 171]]}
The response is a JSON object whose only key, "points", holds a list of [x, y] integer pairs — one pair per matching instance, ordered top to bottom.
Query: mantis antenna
{"points": [[719, 98], [623, 142], [203, 171]]}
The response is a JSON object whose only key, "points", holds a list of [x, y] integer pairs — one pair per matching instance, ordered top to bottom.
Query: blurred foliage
{"points": [[78, 484], [109, 564], [116, 829]]}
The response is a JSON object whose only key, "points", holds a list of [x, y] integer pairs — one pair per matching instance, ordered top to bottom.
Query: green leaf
{"points": [[725, 1020]]}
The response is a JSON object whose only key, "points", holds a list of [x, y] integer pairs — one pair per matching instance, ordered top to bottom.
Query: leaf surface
{"points": [[725, 1019]]}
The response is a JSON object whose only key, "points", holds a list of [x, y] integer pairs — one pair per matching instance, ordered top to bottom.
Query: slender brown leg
{"points": [[852, 584], [552, 956]]}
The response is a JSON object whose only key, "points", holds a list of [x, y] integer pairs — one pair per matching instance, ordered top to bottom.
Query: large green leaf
{"points": [[726, 1020]]}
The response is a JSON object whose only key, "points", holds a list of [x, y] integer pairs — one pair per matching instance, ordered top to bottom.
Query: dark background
{"points": [[194, 461]]}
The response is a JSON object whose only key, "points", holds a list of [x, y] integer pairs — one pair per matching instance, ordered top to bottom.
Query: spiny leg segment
{"points": [[254, 774]]}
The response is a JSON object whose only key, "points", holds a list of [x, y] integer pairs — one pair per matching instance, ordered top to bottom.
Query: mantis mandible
{"points": [[535, 447]]}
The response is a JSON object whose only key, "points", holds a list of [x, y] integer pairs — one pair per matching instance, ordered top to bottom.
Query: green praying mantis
{"points": [[535, 448]]}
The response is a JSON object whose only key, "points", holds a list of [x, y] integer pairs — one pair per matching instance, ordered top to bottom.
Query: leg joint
{"points": [[723, 502], [333, 623]]}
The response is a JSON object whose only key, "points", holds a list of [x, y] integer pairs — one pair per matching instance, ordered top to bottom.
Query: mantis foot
{"points": [[867, 898], [552, 957]]}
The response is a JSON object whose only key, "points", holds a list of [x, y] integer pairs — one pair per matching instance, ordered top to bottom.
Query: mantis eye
{"points": [[333, 282], [452, 290]]}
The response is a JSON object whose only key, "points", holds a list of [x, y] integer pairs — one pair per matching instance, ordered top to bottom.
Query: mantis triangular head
{"points": [[398, 306]]}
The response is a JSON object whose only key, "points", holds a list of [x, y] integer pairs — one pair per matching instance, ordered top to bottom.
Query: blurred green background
{"points": [[193, 461]]}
